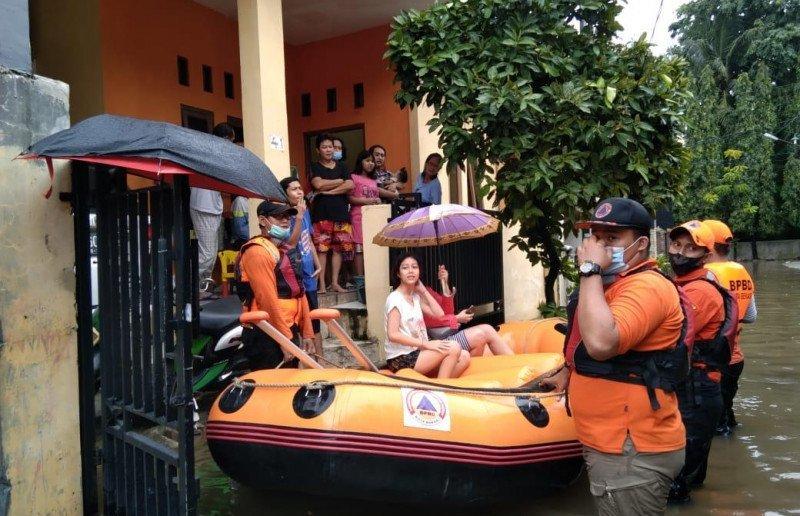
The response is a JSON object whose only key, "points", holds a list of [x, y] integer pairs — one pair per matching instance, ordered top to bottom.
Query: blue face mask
{"points": [[337, 155], [279, 232], [618, 263]]}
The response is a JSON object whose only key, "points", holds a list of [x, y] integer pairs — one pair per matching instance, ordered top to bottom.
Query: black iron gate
{"points": [[145, 313]]}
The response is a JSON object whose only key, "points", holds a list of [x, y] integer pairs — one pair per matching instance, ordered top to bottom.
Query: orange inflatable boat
{"points": [[494, 433]]}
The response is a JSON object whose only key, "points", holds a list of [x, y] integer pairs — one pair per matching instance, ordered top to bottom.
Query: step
{"points": [[331, 298], [353, 319], [335, 352]]}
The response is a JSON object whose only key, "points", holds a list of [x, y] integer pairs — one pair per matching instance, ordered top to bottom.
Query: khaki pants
{"points": [[632, 483]]}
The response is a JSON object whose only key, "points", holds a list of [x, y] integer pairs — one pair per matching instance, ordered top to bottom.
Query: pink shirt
{"points": [[362, 187]]}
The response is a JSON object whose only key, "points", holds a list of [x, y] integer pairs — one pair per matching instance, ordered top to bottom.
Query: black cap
{"points": [[268, 208], [618, 212]]}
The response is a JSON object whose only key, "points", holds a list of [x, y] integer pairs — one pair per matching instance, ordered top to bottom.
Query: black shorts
{"points": [[313, 304], [262, 351], [409, 360]]}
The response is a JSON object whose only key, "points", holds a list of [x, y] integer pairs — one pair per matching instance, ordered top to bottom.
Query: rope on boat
{"points": [[239, 383]]}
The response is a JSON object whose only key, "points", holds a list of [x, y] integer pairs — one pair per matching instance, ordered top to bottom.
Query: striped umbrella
{"points": [[435, 225]]}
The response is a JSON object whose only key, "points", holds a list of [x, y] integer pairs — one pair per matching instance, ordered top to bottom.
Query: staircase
{"points": [[354, 321]]}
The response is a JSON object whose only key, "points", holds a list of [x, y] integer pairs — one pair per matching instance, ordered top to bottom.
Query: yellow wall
{"points": [[65, 38], [39, 429]]}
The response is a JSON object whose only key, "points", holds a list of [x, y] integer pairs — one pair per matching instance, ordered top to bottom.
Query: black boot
{"points": [[679, 492]]}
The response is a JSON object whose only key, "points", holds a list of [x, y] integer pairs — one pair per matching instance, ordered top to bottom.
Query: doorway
{"points": [[352, 137]]}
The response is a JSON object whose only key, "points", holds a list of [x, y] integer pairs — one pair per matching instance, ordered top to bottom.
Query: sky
{"points": [[640, 16]]}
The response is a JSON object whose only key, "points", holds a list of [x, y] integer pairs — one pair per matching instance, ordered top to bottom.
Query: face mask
{"points": [[337, 155], [279, 232], [618, 263], [683, 264]]}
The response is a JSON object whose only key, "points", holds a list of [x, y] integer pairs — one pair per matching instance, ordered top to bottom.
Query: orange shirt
{"points": [[258, 267], [737, 280], [707, 303], [647, 313]]}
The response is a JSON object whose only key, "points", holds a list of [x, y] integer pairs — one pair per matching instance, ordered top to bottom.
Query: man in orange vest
{"points": [[269, 278], [735, 278], [715, 321], [626, 352]]}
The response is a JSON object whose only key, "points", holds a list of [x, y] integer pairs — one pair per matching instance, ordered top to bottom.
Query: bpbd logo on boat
{"points": [[425, 409]]}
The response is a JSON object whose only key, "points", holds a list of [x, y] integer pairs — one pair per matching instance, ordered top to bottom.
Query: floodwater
{"points": [[756, 471]]}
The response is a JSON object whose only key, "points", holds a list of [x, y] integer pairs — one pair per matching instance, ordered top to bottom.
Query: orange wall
{"points": [[140, 43], [339, 63]]}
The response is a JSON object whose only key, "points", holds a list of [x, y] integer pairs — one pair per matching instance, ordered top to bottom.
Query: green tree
{"points": [[733, 36], [538, 90], [705, 114], [752, 116], [791, 191], [731, 196]]}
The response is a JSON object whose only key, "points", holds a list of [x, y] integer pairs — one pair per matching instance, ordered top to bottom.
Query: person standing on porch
{"points": [[428, 184], [388, 185], [364, 193], [205, 210], [331, 215]]}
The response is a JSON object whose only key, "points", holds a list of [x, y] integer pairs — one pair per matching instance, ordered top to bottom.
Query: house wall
{"points": [[65, 40], [140, 44], [340, 63], [40, 468]]}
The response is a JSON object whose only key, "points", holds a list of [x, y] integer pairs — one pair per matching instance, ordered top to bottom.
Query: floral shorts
{"points": [[334, 236]]}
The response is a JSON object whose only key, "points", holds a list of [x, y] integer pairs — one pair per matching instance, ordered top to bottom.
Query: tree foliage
{"points": [[749, 51], [538, 91]]}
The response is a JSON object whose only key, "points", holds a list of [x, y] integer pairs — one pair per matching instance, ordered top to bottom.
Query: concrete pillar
{"points": [[263, 71], [424, 142], [376, 272], [523, 284], [40, 466]]}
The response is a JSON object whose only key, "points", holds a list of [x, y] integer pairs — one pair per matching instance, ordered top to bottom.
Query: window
{"points": [[183, 71], [208, 79], [228, 85], [358, 95], [331, 100], [305, 104], [197, 119]]}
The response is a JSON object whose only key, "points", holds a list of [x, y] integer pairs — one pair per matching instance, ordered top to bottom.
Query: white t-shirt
{"points": [[207, 201], [411, 323]]}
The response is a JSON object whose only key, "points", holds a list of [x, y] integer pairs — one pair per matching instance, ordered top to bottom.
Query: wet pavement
{"points": [[755, 471]]}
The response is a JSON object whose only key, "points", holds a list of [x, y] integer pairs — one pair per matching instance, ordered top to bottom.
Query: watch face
{"points": [[586, 267]]}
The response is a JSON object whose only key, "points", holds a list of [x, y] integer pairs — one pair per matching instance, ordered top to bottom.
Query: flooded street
{"points": [[756, 471]]}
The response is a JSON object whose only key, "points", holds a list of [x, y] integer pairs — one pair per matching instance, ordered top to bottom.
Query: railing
{"points": [[475, 267]]}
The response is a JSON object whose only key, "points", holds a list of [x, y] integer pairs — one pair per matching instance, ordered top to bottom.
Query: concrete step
{"points": [[331, 298], [353, 320], [335, 352]]}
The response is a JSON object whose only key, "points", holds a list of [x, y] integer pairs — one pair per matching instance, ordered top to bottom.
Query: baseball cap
{"points": [[268, 208], [618, 212], [722, 233], [701, 234]]}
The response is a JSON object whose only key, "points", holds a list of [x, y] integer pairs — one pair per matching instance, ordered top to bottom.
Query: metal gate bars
{"points": [[145, 313]]}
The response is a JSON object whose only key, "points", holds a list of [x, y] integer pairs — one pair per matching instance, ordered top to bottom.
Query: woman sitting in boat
{"points": [[475, 338], [407, 344]]}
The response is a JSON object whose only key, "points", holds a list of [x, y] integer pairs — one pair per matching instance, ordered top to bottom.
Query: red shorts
{"points": [[334, 236]]}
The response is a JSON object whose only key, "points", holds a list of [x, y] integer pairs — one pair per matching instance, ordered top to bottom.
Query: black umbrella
{"points": [[154, 149]]}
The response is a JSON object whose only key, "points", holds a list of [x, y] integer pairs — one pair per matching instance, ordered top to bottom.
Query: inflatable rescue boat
{"points": [[492, 434]]}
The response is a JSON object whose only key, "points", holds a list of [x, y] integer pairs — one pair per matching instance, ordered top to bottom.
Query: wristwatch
{"points": [[589, 268]]}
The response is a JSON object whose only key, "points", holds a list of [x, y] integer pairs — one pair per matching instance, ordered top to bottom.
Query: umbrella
{"points": [[159, 150], [435, 225]]}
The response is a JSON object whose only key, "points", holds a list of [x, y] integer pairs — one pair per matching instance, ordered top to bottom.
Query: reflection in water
{"points": [[756, 471]]}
